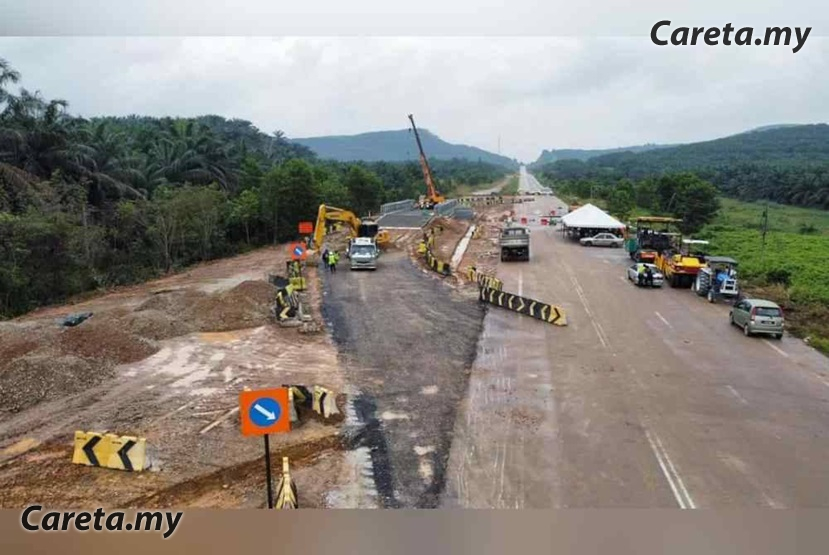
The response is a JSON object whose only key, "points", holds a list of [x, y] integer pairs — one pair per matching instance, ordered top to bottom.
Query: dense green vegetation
{"points": [[397, 146], [556, 154], [788, 165], [511, 188], [682, 195], [86, 204]]}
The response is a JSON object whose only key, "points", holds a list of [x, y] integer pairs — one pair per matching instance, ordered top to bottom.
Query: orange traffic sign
{"points": [[306, 228], [298, 251], [265, 411]]}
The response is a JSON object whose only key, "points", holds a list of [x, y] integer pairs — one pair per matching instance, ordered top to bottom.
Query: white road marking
{"points": [[667, 323], [599, 331], [776, 348], [737, 394], [683, 498]]}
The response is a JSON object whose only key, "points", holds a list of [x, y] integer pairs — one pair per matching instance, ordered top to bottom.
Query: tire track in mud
{"points": [[407, 343]]}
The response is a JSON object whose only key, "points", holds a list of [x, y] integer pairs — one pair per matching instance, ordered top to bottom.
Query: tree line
{"points": [[787, 165], [681, 195], [93, 203]]}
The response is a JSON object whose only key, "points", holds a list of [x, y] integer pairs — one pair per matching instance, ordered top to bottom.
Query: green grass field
{"points": [[511, 188], [796, 254], [792, 270]]}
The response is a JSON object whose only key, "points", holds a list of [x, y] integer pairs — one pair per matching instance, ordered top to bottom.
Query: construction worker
{"points": [[325, 256], [336, 259], [332, 265], [649, 276], [640, 277]]}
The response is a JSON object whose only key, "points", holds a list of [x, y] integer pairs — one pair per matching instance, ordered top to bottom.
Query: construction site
{"points": [[486, 360]]}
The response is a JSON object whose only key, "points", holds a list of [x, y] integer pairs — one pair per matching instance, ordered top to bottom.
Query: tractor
{"points": [[717, 279]]}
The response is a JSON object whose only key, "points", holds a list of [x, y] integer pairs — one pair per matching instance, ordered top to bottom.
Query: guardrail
{"points": [[398, 206], [446, 208]]}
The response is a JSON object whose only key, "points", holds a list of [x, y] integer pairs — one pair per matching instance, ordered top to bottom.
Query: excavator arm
{"points": [[327, 214], [358, 227]]}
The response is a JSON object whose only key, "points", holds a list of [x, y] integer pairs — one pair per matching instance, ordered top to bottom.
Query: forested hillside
{"points": [[396, 146], [556, 154], [785, 164], [91, 203]]}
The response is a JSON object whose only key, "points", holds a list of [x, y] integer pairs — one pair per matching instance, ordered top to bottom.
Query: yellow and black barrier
{"points": [[437, 265], [484, 280], [287, 303], [540, 311], [325, 402], [110, 451], [286, 497]]}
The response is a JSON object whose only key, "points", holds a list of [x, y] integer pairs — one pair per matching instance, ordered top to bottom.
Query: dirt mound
{"points": [[245, 306], [156, 324], [105, 340], [31, 379]]}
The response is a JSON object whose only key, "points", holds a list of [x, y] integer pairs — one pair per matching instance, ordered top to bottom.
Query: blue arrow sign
{"points": [[298, 250], [264, 412]]}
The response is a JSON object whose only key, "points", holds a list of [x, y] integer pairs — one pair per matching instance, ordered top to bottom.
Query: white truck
{"points": [[363, 253]]}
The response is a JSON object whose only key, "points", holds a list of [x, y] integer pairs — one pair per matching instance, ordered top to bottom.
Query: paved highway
{"points": [[527, 183], [647, 399]]}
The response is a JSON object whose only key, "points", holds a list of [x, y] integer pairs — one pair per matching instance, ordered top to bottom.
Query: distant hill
{"points": [[788, 143], [396, 146], [548, 156], [783, 163]]}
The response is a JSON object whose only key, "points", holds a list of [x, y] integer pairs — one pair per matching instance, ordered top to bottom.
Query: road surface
{"points": [[527, 183], [406, 342], [647, 399]]}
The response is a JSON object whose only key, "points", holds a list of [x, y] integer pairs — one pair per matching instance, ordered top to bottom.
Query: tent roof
{"points": [[592, 217]]}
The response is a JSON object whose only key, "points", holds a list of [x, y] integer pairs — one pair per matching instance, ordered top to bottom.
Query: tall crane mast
{"points": [[432, 196]]}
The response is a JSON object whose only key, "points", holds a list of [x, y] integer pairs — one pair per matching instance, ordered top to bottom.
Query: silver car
{"points": [[602, 240], [633, 274], [757, 316]]}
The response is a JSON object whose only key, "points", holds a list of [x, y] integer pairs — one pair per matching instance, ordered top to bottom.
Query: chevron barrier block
{"points": [[437, 265], [483, 279], [522, 305], [325, 402], [110, 451], [286, 496]]}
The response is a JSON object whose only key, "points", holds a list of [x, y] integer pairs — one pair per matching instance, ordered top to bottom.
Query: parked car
{"points": [[602, 240], [633, 274], [757, 316]]}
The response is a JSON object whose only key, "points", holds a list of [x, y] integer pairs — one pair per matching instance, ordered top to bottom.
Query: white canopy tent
{"points": [[589, 220]]}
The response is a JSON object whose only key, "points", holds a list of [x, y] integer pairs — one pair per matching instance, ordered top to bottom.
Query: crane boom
{"points": [[432, 195]]}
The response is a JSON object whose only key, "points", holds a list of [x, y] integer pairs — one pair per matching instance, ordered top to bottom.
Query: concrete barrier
{"points": [[399, 206]]}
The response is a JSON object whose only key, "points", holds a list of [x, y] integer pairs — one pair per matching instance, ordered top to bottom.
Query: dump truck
{"points": [[515, 244]]}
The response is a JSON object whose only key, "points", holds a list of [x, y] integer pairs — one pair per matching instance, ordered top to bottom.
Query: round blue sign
{"points": [[298, 250], [265, 412]]}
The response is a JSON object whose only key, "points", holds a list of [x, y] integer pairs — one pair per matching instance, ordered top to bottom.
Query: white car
{"points": [[602, 240], [633, 274]]}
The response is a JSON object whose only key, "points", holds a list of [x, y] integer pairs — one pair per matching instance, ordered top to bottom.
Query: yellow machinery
{"points": [[432, 196], [359, 228], [679, 264]]}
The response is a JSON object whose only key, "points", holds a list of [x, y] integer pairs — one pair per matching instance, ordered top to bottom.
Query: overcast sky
{"points": [[534, 93]]}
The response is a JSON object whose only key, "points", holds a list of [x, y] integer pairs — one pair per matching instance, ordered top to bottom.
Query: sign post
{"points": [[264, 412]]}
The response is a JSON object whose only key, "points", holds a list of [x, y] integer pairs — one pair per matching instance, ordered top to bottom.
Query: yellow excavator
{"points": [[432, 196], [359, 228]]}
